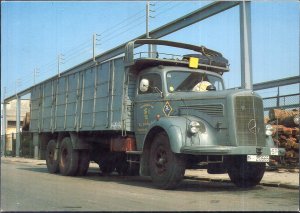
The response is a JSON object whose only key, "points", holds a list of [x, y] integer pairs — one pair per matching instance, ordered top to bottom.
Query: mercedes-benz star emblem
{"points": [[252, 126]]}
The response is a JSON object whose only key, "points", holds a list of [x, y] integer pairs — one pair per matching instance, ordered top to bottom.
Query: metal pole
{"points": [[147, 27], [245, 39], [94, 46], [151, 47], [58, 62], [35, 74], [277, 99], [4, 125], [18, 126]]}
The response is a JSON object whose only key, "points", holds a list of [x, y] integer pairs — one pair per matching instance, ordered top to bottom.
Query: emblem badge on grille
{"points": [[252, 126]]}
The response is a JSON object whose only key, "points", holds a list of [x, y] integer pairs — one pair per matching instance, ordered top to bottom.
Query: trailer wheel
{"points": [[68, 162], [52, 163], [83, 163], [166, 168], [244, 174]]}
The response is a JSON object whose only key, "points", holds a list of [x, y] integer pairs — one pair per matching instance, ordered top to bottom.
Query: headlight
{"points": [[194, 127], [269, 130]]}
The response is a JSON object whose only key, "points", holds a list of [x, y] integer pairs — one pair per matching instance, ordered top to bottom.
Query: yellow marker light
{"points": [[193, 62]]}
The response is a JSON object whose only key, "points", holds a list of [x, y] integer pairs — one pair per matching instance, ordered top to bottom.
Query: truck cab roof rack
{"points": [[208, 59]]}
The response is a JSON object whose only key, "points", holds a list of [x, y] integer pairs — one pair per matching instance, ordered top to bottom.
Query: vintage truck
{"points": [[154, 116]]}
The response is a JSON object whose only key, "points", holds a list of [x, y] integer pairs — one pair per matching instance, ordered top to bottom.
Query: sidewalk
{"points": [[278, 178], [283, 178]]}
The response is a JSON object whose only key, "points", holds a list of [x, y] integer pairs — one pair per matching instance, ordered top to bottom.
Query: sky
{"points": [[33, 34]]}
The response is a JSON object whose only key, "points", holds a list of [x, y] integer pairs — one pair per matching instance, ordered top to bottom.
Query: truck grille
{"points": [[250, 128]]}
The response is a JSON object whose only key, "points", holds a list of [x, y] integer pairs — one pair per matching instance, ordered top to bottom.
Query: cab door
{"points": [[148, 103]]}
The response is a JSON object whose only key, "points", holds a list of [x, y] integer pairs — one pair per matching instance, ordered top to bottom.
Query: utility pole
{"points": [[147, 18], [94, 45], [151, 48], [60, 60], [35, 74], [17, 84], [4, 92], [3, 126], [18, 126]]}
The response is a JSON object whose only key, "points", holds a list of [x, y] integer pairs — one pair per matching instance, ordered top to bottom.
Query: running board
{"points": [[134, 152]]}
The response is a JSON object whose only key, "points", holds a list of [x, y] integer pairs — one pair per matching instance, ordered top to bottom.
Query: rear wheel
{"points": [[51, 159], [68, 161], [166, 168], [244, 174]]}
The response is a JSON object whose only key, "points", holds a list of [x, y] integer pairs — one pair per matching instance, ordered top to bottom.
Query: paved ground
{"points": [[284, 178], [26, 185]]}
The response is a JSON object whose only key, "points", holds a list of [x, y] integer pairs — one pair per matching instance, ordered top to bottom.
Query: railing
{"points": [[290, 101]]}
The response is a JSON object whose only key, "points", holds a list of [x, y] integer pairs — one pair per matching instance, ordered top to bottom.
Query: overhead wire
{"points": [[73, 53]]}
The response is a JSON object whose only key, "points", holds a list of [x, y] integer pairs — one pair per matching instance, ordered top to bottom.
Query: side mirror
{"points": [[144, 85], [211, 88]]}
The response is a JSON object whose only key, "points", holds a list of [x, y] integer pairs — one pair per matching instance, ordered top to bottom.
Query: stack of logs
{"points": [[286, 132]]}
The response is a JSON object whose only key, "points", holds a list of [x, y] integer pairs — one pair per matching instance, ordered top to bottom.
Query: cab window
{"points": [[154, 81]]}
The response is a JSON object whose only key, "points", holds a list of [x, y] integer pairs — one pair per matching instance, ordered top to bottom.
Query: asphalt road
{"points": [[29, 187]]}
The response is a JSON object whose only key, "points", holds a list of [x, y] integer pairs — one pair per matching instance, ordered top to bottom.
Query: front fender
{"points": [[175, 127]]}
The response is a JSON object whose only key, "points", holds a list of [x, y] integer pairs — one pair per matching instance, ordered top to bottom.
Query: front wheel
{"points": [[166, 168], [244, 174]]}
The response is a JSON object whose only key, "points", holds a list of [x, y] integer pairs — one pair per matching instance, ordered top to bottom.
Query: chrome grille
{"points": [[250, 128]]}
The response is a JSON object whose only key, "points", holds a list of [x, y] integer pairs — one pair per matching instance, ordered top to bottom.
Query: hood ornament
{"points": [[252, 126]]}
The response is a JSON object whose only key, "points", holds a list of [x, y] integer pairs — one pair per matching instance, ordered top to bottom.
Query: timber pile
{"points": [[286, 132]]}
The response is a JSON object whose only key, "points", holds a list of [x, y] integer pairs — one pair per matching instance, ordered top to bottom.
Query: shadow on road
{"points": [[35, 169], [187, 185]]}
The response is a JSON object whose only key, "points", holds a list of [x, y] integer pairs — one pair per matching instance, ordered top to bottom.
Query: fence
{"points": [[291, 101], [8, 146]]}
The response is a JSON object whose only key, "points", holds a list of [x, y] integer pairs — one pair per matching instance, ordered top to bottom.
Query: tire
{"points": [[68, 160], [52, 163], [83, 163], [166, 168], [244, 174]]}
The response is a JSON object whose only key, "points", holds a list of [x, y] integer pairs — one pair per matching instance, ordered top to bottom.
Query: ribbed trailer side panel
{"points": [[88, 100], [35, 108]]}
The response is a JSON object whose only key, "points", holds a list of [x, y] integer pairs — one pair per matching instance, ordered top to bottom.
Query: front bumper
{"points": [[232, 150]]}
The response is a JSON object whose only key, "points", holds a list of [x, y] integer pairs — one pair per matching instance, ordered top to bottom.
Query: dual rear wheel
{"points": [[65, 159]]}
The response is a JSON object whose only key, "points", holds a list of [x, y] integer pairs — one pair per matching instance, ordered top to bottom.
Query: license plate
{"points": [[274, 151], [258, 158]]}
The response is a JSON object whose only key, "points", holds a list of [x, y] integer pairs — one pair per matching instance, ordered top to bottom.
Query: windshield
{"points": [[180, 81]]}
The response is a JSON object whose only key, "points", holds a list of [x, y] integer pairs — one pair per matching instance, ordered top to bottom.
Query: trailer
{"points": [[152, 115]]}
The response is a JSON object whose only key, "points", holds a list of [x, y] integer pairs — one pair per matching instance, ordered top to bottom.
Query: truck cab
{"points": [[183, 116]]}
